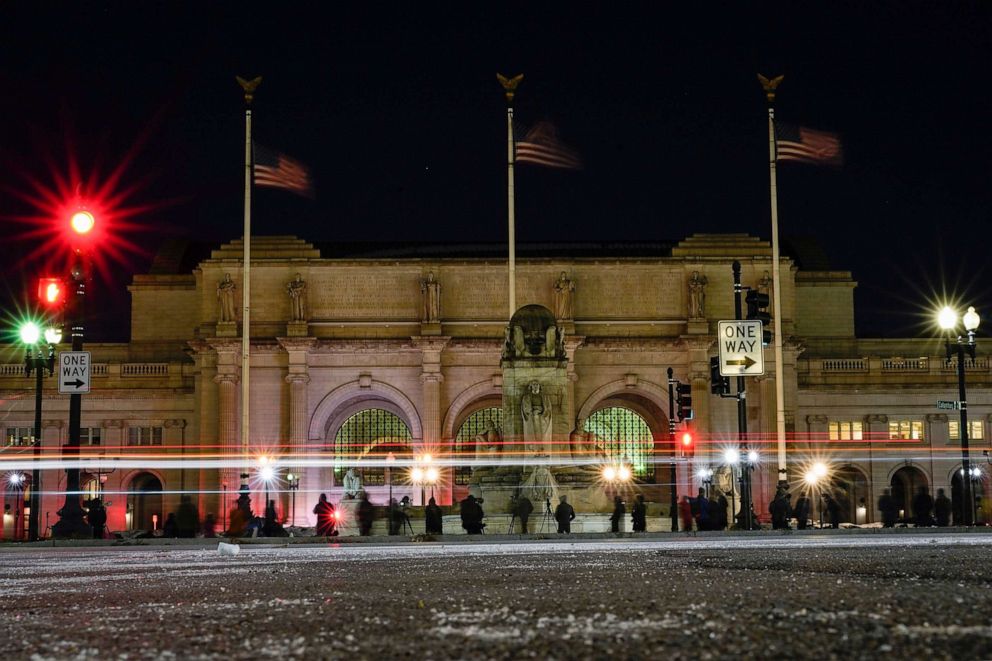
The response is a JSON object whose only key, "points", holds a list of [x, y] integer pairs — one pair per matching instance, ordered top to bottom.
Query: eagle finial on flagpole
{"points": [[509, 85], [770, 85], [249, 86]]}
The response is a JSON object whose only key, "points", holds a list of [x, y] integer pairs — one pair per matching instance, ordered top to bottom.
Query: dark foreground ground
{"points": [[785, 597]]}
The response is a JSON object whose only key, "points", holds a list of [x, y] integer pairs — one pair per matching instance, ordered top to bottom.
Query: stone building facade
{"points": [[399, 350]]}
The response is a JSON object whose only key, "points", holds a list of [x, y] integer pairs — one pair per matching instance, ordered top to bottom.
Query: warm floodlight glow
{"points": [[82, 222], [947, 318], [971, 319], [30, 332], [53, 335], [731, 456], [752, 457], [428, 458], [263, 460], [820, 469], [267, 473], [609, 473], [623, 473], [417, 474], [431, 474]]}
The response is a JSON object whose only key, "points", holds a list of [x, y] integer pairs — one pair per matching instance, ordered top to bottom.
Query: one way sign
{"points": [[741, 352], [74, 372]]}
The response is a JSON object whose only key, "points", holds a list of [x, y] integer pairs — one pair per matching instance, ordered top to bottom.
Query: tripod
{"points": [[548, 518]]}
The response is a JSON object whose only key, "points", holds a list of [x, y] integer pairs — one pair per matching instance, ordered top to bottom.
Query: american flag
{"points": [[797, 143], [541, 146], [276, 170]]}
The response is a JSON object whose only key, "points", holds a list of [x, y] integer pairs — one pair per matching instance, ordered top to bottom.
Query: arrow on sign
{"points": [[746, 362], [78, 383]]}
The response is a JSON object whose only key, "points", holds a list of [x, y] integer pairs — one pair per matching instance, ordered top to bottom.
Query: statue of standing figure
{"points": [[431, 289], [564, 289], [297, 290], [225, 295], [697, 295], [536, 410], [352, 483]]}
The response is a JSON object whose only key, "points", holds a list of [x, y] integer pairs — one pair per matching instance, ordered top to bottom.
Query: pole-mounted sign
{"points": [[741, 351], [74, 372]]}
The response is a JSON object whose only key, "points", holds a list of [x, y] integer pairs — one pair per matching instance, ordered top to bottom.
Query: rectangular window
{"points": [[852, 430], [906, 430], [976, 430], [19, 435], [90, 435], [144, 436]]}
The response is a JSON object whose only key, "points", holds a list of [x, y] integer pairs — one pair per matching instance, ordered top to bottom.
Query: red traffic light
{"points": [[82, 222], [51, 292], [686, 439]]}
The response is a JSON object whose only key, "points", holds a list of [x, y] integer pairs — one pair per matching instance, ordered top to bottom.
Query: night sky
{"points": [[400, 117]]}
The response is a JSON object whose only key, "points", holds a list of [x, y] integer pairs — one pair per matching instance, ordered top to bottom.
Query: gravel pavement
{"points": [[816, 596]]}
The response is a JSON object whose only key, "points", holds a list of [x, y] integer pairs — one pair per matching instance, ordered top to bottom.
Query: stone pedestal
{"points": [[430, 328], [227, 329], [297, 329], [348, 523]]}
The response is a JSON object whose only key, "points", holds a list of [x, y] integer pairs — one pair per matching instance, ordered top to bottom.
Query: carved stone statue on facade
{"points": [[765, 284], [564, 289], [297, 290], [431, 290], [697, 295], [225, 296], [534, 333], [537, 411], [578, 440], [352, 483], [541, 487]]}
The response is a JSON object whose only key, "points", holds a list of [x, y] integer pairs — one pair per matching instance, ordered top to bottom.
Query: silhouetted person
{"points": [[922, 507], [942, 508], [714, 509], [779, 509], [889, 509], [522, 510], [619, 510], [701, 510], [723, 510], [324, 511], [833, 511], [801, 512], [685, 513], [366, 514], [564, 514], [639, 514], [472, 515], [97, 517], [187, 518], [433, 518], [398, 519], [237, 523], [209, 526], [169, 527], [269, 527]]}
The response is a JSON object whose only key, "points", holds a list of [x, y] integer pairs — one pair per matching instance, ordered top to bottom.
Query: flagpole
{"points": [[769, 87], [510, 88], [249, 89]]}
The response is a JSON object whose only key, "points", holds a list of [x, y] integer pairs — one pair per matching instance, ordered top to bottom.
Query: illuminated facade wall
{"points": [[365, 345]]}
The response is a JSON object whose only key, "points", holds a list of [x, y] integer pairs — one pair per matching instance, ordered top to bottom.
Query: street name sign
{"points": [[741, 351], [74, 372], [948, 405]]}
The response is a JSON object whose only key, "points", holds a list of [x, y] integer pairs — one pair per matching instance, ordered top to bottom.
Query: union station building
{"points": [[397, 350]]}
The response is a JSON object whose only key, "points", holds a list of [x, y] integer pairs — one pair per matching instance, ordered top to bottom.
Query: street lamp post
{"points": [[948, 320], [38, 361], [294, 484]]}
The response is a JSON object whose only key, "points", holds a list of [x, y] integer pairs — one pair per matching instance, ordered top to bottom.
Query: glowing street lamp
{"points": [[82, 222], [947, 318]]}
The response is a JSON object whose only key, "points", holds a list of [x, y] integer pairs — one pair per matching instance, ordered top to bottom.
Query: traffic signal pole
{"points": [[671, 434], [745, 517], [71, 521]]}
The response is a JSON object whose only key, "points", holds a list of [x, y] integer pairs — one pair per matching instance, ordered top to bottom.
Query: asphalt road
{"points": [[823, 596]]}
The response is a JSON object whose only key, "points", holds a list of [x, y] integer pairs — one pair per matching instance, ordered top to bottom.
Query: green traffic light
{"points": [[30, 332]]}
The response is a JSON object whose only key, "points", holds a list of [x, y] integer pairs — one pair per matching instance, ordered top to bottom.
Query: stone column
{"points": [[572, 343], [430, 415], [876, 426], [227, 439], [309, 475]]}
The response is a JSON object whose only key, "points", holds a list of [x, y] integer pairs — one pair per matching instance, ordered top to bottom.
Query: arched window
{"points": [[475, 424], [372, 433], [623, 435]]}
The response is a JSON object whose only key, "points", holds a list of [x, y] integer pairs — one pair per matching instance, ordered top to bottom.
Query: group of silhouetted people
{"points": [[705, 512]]}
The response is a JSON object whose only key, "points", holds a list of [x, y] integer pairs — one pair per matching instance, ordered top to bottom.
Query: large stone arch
{"points": [[620, 393], [352, 397], [467, 402]]}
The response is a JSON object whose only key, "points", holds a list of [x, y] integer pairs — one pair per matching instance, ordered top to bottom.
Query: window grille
{"points": [[475, 424], [372, 433], [623, 435]]}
